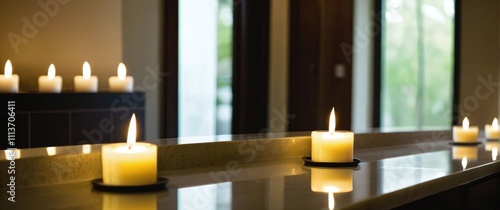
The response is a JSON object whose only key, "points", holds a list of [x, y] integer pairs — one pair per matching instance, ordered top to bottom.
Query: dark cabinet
{"points": [[42, 120]]}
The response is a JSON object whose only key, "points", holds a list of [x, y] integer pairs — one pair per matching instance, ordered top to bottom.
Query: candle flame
{"points": [[8, 69], [86, 70], [122, 71], [52, 72], [465, 124], [494, 124], [331, 127], [132, 133], [86, 148], [51, 151], [494, 154], [464, 163], [331, 201]]}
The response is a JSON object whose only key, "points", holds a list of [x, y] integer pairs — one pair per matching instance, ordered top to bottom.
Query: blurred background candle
{"points": [[86, 82], [122, 82], [9, 83], [50, 83], [492, 131], [465, 133], [331, 145], [131, 163]]}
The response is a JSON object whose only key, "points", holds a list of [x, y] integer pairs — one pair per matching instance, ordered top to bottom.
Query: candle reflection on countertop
{"points": [[121, 201]]}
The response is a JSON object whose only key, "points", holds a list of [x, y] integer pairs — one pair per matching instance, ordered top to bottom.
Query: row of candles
{"points": [[51, 83], [469, 134]]}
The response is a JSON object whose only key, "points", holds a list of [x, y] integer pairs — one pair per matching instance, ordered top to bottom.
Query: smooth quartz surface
{"points": [[387, 177]]}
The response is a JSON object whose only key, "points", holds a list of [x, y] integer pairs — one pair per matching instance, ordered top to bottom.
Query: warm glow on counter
{"points": [[51, 151]]}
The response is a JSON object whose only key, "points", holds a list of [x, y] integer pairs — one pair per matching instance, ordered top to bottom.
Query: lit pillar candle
{"points": [[86, 82], [122, 82], [9, 83], [50, 83], [492, 131], [465, 133], [331, 145], [468, 152], [131, 163]]}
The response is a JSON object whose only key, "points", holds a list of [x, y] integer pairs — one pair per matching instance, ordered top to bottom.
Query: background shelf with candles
{"points": [[85, 83], [47, 119]]}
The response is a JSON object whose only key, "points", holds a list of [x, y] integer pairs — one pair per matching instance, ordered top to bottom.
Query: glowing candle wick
{"points": [[8, 69], [122, 71], [52, 72], [465, 124], [331, 127], [131, 137]]}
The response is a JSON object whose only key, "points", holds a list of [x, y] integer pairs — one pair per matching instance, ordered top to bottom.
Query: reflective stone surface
{"points": [[388, 177]]}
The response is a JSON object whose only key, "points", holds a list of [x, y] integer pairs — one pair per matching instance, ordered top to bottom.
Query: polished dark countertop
{"points": [[387, 177]]}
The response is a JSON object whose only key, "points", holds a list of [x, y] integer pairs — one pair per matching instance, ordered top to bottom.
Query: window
{"points": [[417, 62], [205, 67]]}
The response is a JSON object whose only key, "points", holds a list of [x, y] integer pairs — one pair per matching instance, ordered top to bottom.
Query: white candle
{"points": [[86, 82], [122, 82], [9, 83], [50, 83], [492, 131], [465, 133], [331, 145], [131, 163]]}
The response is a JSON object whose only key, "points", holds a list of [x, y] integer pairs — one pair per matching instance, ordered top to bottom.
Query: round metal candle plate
{"points": [[465, 143], [309, 162], [159, 185]]}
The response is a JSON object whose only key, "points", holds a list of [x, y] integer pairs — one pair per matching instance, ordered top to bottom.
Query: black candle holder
{"points": [[465, 143], [308, 162], [160, 184]]}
